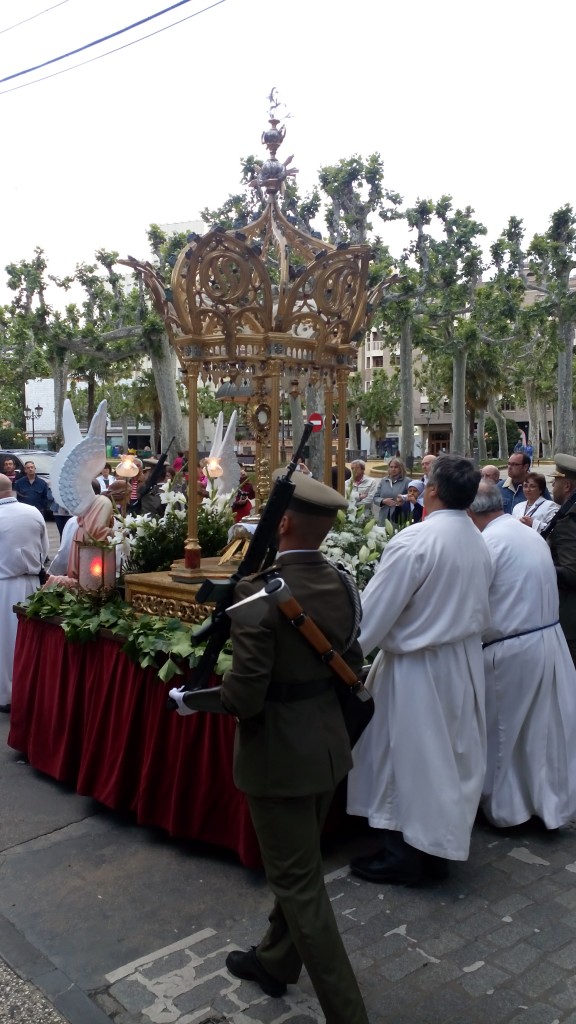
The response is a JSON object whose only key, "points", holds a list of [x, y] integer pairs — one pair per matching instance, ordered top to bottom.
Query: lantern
{"points": [[96, 567]]}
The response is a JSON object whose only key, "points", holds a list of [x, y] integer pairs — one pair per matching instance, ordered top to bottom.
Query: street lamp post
{"points": [[33, 415]]}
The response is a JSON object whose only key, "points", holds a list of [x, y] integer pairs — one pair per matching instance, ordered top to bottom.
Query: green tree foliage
{"points": [[378, 407]]}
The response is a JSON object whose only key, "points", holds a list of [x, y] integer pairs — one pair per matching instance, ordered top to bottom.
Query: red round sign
{"points": [[317, 421]]}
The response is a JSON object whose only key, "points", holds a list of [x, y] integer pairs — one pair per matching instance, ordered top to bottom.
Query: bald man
{"points": [[490, 474], [23, 551]]}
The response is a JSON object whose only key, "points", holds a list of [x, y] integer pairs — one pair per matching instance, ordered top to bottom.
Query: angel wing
{"points": [[217, 442], [79, 460], [228, 482]]}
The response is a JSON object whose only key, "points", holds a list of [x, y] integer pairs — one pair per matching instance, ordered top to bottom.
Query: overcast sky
{"points": [[471, 99]]}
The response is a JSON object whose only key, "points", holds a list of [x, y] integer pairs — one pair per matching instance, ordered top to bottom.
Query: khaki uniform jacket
{"points": [[562, 543], [297, 747]]}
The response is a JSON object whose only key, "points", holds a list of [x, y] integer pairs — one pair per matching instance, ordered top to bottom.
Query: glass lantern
{"points": [[96, 567]]}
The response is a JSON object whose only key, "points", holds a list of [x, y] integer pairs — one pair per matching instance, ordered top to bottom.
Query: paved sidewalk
{"points": [[496, 943], [22, 1003]]}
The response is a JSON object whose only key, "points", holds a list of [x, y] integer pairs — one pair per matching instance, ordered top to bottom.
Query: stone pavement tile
{"points": [[568, 898], [511, 904], [539, 915], [477, 924], [510, 933], [554, 936], [445, 942], [385, 946], [472, 953], [565, 957], [517, 958], [398, 967], [435, 974], [539, 979], [484, 980], [563, 995], [447, 1004], [498, 1006], [539, 1013]]}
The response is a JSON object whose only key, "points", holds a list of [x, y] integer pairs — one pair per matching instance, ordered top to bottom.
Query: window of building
{"points": [[377, 361]]}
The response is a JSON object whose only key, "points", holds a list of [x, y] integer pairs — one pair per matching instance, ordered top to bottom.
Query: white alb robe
{"points": [[23, 551], [530, 686], [420, 764]]}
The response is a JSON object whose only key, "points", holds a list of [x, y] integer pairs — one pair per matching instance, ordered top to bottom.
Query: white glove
{"points": [[178, 698]]}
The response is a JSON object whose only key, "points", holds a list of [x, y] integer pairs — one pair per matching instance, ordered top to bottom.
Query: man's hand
{"points": [[178, 698]]}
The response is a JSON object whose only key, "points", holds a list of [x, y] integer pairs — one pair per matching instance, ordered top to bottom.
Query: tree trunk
{"points": [[60, 376], [406, 392], [91, 396], [531, 402], [315, 403], [297, 417], [124, 419], [172, 420], [500, 421], [481, 430], [544, 430], [352, 431], [564, 440], [458, 446]]}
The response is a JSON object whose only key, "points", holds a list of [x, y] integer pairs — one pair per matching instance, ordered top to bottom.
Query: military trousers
{"points": [[303, 928]]}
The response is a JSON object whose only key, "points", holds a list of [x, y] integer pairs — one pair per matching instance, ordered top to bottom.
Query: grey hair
{"points": [[358, 462], [488, 499]]}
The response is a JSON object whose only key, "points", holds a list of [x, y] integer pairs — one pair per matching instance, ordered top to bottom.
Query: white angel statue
{"points": [[76, 465], [222, 467]]}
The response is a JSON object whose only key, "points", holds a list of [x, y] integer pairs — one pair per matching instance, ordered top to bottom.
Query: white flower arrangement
{"points": [[357, 542]]}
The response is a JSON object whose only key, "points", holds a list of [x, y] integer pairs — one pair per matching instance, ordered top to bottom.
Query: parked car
{"points": [[41, 459]]}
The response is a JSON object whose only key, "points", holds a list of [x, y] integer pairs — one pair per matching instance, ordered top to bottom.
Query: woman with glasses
{"points": [[536, 510]]}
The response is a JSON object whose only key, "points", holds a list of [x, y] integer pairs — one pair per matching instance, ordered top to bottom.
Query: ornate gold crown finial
{"points": [[272, 174]]}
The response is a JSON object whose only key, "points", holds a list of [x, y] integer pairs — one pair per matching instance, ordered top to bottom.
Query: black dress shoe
{"points": [[5, 708], [403, 866], [248, 967]]}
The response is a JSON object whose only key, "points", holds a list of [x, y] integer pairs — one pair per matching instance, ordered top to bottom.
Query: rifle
{"points": [[156, 473], [260, 554]]}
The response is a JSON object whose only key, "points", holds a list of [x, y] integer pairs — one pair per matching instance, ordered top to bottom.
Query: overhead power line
{"points": [[32, 16], [96, 42], [117, 49]]}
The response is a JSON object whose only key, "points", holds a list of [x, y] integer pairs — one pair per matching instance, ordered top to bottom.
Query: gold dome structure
{"points": [[266, 304]]}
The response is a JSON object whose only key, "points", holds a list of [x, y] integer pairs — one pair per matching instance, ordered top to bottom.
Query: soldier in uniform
{"points": [[561, 536], [292, 750]]}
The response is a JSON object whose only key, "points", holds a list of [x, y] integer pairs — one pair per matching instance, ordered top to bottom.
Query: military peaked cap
{"points": [[565, 466], [312, 497]]}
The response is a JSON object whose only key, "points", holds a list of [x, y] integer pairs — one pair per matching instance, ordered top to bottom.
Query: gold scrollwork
{"points": [[150, 604]]}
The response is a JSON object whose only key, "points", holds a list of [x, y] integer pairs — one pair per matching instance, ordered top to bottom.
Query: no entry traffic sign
{"points": [[317, 421]]}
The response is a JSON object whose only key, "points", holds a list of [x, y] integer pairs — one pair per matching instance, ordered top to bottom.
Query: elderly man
{"points": [[9, 469], [491, 474], [362, 487], [32, 489], [561, 536], [23, 551], [530, 678], [419, 767]]}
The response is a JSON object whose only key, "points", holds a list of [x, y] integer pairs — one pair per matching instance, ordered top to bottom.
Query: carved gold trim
{"points": [[150, 604]]}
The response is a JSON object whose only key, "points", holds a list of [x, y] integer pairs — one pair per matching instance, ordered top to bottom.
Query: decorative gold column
{"points": [[274, 377], [342, 381], [328, 413], [192, 550]]}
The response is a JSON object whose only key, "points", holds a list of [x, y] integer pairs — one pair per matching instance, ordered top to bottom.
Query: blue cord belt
{"points": [[524, 632]]}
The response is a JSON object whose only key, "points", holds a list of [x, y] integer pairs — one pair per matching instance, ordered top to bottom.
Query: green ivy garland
{"points": [[150, 640]]}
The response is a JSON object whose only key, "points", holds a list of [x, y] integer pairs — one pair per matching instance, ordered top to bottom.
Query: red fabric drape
{"points": [[86, 715]]}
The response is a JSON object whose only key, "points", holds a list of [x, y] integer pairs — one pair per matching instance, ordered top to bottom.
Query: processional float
{"points": [[257, 308]]}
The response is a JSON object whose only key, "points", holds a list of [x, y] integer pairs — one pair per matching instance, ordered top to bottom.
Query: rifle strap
{"points": [[298, 618]]}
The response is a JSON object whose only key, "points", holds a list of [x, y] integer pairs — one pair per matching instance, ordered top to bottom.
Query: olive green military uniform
{"points": [[562, 543], [290, 755]]}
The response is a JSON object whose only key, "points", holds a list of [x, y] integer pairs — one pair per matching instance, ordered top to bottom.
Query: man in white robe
{"points": [[23, 551], [530, 678], [419, 766]]}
